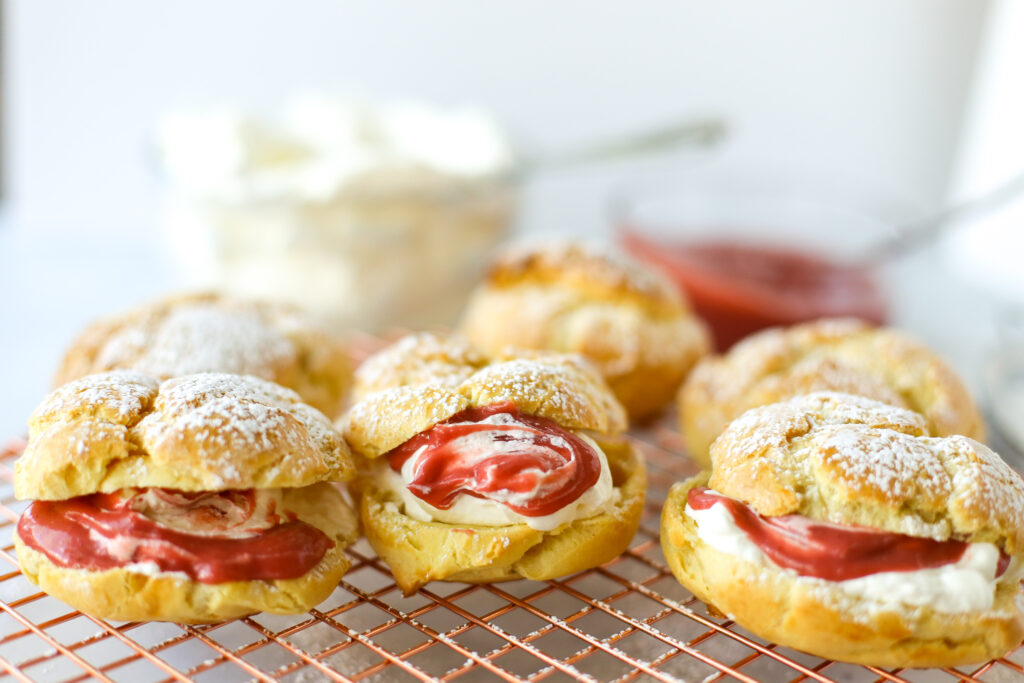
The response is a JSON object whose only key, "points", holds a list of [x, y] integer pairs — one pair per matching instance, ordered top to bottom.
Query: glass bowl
{"points": [[759, 247], [361, 260]]}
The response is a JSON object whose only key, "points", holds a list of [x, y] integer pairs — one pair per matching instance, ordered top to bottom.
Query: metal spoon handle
{"points": [[689, 133], [913, 235]]}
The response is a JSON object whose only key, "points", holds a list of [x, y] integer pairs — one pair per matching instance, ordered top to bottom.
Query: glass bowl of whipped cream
{"points": [[367, 215]]}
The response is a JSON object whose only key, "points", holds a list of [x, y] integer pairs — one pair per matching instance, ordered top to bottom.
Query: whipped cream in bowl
{"points": [[366, 214]]}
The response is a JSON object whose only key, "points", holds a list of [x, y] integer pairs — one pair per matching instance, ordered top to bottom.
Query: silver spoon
{"points": [[695, 133], [922, 231], [1003, 382]]}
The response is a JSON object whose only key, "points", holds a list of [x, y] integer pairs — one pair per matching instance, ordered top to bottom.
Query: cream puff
{"points": [[631, 322], [187, 334], [844, 355], [421, 358], [513, 469], [199, 499], [833, 524]]}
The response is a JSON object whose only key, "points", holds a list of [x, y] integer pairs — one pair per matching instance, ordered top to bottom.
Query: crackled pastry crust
{"points": [[631, 323], [187, 334], [842, 355], [417, 359], [445, 377], [561, 387], [204, 432], [850, 460], [419, 552], [126, 595], [800, 614]]}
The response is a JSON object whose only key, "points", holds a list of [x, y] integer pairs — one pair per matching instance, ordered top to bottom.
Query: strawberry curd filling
{"points": [[527, 463], [212, 537], [834, 552]]}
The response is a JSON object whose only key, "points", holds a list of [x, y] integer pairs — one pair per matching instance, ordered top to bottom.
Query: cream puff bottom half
{"points": [[419, 552], [126, 595], [797, 613]]}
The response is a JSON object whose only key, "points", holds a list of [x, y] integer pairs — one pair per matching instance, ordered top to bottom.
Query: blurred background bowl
{"points": [[367, 213], [758, 246], [361, 260]]}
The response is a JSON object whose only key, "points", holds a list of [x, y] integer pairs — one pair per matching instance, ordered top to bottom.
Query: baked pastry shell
{"points": [[632, 323], [842, 355], [318, 365], [562, 388], [203, 432], [419, 552], [126, 595], [777, 606]]}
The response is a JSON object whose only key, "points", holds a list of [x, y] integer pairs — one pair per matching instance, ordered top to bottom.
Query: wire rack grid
{"points": [[628, 620]]}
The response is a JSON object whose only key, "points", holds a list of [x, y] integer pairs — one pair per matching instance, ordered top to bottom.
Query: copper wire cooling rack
{"points": [[626, 621]]}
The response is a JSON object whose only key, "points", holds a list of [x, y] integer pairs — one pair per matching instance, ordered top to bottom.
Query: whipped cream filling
{"points": [[471, 510], [227, 515], [151, 569], [966, 585]]}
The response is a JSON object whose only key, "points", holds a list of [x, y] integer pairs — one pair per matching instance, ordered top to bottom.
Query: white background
{"points": [[871, 88]]}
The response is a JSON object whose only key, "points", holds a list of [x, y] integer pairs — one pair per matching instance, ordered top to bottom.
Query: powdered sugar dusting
{"points": [[577, 259], [201, 337], [774, 354], [842, 355], [423, 358], [831, 374], [515, 379], [202, 386], [552, 387], [118, 395], [247, 405], [839, 408], [387, 418], [253, 421], [775, 424], [222, 427], [759, 430], [197, 432], [850, 460], [882, 462], [982, 484]]}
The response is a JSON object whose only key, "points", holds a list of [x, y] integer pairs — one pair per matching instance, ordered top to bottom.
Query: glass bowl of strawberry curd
{"points": [[757, 248]]}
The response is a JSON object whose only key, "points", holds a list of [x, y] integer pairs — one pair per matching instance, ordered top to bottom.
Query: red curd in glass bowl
{"points": [[752, 253], [739, 289]]}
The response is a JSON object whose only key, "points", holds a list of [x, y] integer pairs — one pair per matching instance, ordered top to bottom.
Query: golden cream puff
{"points": [[629, 321], [187, 334], [844, 355], [421, 358], [513, 469], [198, 499], [833, 524]]}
